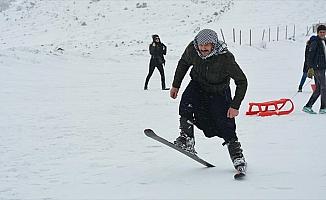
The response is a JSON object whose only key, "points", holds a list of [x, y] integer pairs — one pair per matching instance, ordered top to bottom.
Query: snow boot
{"points": [[186, 139], [186, 143], [235, 151]]}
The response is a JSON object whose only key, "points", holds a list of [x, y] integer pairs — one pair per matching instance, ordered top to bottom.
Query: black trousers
{"points": [[152, 65], [208, 111]]}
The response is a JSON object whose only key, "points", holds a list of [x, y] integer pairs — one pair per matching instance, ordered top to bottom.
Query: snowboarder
{"points": [[157, 51], [317, 61], [305, 65], [207, 102]]}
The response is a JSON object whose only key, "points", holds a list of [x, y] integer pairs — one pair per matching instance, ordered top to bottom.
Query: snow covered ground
{"points": [[73, 108]]}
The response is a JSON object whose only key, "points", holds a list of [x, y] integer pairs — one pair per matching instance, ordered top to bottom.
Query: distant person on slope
{"points": [[157, 51], [317, 61], [305, 65], [207, 102]]}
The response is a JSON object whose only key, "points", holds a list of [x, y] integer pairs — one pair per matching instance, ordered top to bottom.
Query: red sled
{"points": [[271, 108]]}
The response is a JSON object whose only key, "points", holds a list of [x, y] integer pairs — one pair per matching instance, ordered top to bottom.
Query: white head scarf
{"points": [[206, 36]]}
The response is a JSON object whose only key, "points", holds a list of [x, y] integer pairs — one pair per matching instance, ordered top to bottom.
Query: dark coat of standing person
{"points": [[157, 51], [317, 61], [305, 65], [206, 101]]}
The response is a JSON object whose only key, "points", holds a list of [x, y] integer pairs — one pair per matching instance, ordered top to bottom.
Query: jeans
{"points": [[303, 79]]}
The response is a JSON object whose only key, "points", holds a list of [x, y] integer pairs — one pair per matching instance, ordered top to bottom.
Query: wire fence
{"points": [[264, 35]]}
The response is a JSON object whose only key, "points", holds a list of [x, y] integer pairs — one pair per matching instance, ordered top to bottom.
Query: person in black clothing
{"points": [[157, 50], [317, 61], [305, 65], [207, 102]]}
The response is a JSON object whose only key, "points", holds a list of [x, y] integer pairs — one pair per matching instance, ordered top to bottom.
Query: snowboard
{"points": [[150, 133]]}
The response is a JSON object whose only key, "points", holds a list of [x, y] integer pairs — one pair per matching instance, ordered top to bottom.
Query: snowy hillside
{"points": [[94, 26], [73, 108]]}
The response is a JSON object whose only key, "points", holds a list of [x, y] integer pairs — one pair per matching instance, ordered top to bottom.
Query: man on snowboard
{"points": [[207, 102]]}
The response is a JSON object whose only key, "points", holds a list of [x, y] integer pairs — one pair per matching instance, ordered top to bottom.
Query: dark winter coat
{"points": [[157, 51], [306, 53], [316, 55], [213, 74]]}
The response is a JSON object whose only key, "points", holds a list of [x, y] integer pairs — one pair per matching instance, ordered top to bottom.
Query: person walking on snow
{"points": [[157, 51], [317, 61], [305, 65], [206, 101]]}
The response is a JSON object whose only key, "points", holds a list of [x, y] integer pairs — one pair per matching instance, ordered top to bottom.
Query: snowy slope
{"points": [[73, 109]]}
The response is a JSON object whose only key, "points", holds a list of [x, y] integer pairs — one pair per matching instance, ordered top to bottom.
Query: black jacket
{"points": [[157, 51], [306, 53], [316, 55], [213, 74]]}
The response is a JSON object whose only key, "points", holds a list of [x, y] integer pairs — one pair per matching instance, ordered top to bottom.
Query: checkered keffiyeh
{"points": [[206, 36]]}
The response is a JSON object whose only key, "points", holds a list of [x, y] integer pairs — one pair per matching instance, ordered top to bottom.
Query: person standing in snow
{"points": [[157, 51], [317, 61], [305, 65], [206, 101]]}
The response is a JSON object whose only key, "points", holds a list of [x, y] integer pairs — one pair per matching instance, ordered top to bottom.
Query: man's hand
{"points": [[174, 92], [232, 113]]}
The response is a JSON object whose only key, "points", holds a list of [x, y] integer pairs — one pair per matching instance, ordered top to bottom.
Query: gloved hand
{"points": [[310, 73]]}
